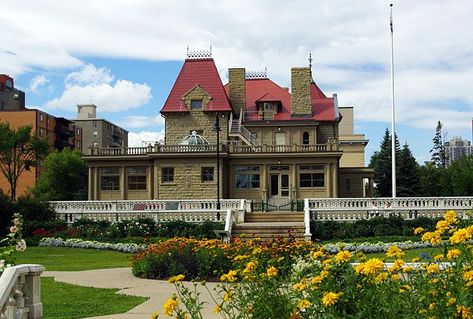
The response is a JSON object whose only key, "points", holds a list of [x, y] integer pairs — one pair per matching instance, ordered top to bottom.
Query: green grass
{"points": [[73, 259], [61, 300]]}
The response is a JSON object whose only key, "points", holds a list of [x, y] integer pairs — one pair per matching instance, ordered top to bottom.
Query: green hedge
{"points": [[376, 227]]}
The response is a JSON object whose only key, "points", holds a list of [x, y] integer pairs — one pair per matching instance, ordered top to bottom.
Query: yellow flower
{"points": [[450, 217], [442, 225], [418, 230], [460, 236], [394, 251], [453, 253], [317, 254], [343, 256], [240, 257], [438, 257], [397, 265], [249, 267], [370, 267], [408, 269], [433, 269], [272, 271], [324, 274], [468, 275], [230, 276], [381, 277], [395, 277], [175, 279], [317, 280], [299, 286], [227, 296], [330, 298], [451, 301], [303, 304], [170, 305], [432, 306], [217, 309], [464, 312], [155, 315]]}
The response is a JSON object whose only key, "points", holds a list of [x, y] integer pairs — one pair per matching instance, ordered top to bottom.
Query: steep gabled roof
{"points": [[202, 72]]}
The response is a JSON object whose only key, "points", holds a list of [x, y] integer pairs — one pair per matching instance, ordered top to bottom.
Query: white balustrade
{"points": [[20, 292]]}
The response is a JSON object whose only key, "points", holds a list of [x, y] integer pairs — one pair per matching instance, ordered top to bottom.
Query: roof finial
{"points": [[310, 60]]}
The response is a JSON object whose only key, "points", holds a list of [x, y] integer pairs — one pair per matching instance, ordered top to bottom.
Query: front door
{"points": [[279, 185]]}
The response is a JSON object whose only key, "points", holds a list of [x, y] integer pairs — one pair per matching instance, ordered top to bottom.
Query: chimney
{"points": [[237, 88], [301, 101], [86, 111]]}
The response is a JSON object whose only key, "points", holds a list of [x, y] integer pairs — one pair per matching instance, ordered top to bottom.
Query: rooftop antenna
{"points": [[310, 61]]}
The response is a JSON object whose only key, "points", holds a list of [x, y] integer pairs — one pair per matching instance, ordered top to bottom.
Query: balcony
{"points": [[228, 149]]}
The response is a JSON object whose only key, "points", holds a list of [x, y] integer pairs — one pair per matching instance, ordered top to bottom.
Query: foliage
{"points": [[20, 150], [439, 154], [382, 164], [408, 171], [64, 176], [460, 177], [431, 178], [6, 213], [36, 214], [378, 226], [12, 243], [325, 285], [61, 300]]}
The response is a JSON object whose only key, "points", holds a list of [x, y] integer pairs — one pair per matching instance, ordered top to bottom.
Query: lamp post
{"points": [[217, 129]]}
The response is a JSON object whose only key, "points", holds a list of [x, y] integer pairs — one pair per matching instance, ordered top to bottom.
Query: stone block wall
{"points": [[237, 88], [301, 102], [180, 125], [326, 132]]}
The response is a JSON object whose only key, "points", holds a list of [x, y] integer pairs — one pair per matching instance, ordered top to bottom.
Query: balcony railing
{"points": [[233, 149]]}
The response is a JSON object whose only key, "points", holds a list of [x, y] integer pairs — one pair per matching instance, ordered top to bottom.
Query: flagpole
{"points": [[393, 111]]}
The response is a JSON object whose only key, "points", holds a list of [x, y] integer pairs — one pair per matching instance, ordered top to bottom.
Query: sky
{"points": [[124, 56]]}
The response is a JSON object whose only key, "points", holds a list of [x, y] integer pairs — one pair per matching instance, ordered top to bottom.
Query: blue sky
{"points": [[124, 57]]}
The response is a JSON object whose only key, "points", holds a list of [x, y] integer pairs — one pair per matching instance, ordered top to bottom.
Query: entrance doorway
{"points": [[279, 185]]}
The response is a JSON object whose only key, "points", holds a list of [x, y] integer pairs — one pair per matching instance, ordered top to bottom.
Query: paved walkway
{"points": [[158, 291]]}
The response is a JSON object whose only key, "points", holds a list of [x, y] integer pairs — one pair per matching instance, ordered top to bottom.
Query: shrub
{"points": [[6, 213], [35, 214]]}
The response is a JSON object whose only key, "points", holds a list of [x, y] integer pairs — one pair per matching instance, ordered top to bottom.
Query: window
{"points": [[196, 104], [41, 117], [95, 124], [78, 131], [198, 132], [95, 133], [280, 138], [305, 138], [167, 174], [207, 174], [311, 176], [247, 177], [110, 178], [136, 178], [347, 185]]}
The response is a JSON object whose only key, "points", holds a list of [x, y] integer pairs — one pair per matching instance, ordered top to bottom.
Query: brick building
{"points": [[58, 131], [274, 145]]}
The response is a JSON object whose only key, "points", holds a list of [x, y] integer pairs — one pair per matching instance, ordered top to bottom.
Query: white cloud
{"points": [[37, 82], [95, 85], [143, 121], [143, 138]]}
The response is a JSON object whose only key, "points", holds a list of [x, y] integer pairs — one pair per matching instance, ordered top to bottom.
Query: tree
{"points": [[20, 150], [439, 154], [382, 164], [407, 174], [459, 175], [64, 176], [431, 178]]}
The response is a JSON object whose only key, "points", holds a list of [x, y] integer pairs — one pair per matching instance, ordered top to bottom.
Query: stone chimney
{"points": [[237, 89], [301, 102], [86, 111]]}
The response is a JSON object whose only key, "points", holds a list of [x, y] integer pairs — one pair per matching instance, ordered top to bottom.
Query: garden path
{"points": [[158, 291]]}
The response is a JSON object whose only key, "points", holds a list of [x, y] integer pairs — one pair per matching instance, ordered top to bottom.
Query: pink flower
{"points": [[13, 229], [21, 246]]}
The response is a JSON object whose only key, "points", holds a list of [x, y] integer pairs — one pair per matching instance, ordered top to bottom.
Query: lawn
{"points": [[73, 259], [61, 300]]}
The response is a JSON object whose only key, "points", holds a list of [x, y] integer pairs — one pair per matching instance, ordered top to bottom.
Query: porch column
{"points": [[328, 175], [156, 180], [334, 180], [123, 182], [149, 182], [294, 182], [97, 183], [90, 184], [264, 187]]}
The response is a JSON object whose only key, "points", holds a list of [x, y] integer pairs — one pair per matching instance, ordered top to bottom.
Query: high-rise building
{"points": [[98, 132], [457, 148]]}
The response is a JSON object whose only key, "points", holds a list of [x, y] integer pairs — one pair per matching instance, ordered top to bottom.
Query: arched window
{"points": [[305, 138]]}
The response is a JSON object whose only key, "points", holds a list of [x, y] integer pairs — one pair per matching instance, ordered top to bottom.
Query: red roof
{"points": [[202, 72], [265, 90]]}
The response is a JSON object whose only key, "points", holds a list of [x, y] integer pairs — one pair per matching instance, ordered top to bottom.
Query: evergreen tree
{"points": [[439, 154], [382, 164], [407, 174], [431, 178]]}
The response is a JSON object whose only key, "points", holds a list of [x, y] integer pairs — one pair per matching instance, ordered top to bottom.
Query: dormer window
{"points": [[196, 104], [269, 109]]}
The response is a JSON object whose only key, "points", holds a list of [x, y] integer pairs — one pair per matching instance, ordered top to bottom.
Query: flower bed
{"points": [[79, 243], [307, 281]]}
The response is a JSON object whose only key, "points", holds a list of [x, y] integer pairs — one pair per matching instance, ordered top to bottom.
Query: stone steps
{"points": [[274, 217]]}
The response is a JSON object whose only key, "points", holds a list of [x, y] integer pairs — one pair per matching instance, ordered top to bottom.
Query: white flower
{"points": [[16, 221], [21, 246], [2, 264]]}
